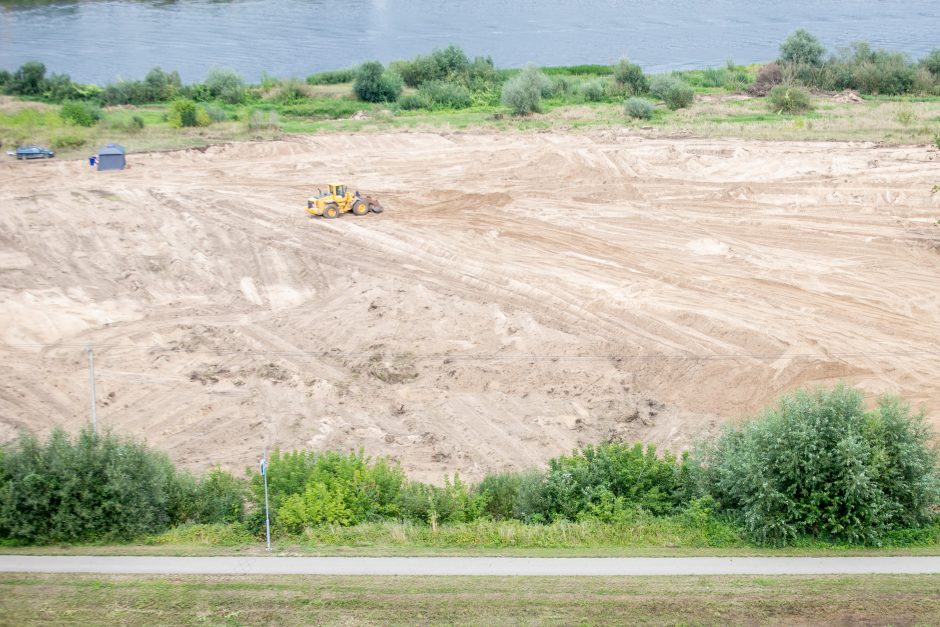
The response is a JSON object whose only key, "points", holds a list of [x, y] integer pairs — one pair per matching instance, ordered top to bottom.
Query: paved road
{"points": [[478, 566]]}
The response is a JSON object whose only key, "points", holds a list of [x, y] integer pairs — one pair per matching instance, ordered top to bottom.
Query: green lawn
{"points": [[292, 600]]}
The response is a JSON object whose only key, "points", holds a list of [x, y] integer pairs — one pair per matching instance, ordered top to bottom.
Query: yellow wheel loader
{"points": [[338, 200]]}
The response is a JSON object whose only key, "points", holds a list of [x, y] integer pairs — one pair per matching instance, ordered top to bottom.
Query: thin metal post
{"points": [[91, 379], [267, 516]]}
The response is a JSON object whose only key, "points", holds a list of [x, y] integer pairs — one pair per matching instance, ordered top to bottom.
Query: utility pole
{"points": [[91, 380], [267, 516]]}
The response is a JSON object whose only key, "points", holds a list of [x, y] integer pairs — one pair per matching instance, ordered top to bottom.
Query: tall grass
{"points": [[645, 531]]}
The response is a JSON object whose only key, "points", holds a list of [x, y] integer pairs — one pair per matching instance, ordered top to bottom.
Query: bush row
{"points": [[803, 59], [448, 78], [445, 79], [816, 465], [103, 488]]}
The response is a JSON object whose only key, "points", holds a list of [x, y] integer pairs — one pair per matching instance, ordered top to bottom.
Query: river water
{"points": [[102, 40]]}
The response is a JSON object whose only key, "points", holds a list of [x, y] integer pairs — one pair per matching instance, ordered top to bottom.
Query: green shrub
{"points": [[802, 47], [931, 62], [448, 64], [862, 68], [871, 71], [481, 74], [333, 77], [5, 78], [630, 78], [28, 79], [925, 83], [226, 84], [376, 84], [157, 86], [160, 86], [564, 86], [59, 88], [593, 90], [289, 91], [125, 92], [523, 92], [675, 92], [442, 95], [789, 99], [411, 102], [638, 108], [80, 113], [186, 113], [216, 114], [61, 142], [819, 465], [613, 477], [326, 487], [90, 488], [499, 493], [219, 498], [456, 502], [319, 503], [531, 504]]}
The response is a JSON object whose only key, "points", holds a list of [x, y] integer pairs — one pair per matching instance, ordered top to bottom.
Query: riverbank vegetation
{"points": [[856, 93], [815, 470]]}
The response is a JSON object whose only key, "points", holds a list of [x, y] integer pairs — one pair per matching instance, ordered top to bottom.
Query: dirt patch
{"points": [[848, 96]]}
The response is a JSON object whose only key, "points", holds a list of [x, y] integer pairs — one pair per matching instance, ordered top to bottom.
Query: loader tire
{"points": [[360, 208], [331, 211]]}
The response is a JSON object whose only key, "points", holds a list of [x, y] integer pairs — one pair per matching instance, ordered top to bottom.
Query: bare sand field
{"points": [[521, 295]]}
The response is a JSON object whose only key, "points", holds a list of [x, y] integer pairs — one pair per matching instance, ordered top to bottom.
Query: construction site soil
{"points": [[522, 294]]}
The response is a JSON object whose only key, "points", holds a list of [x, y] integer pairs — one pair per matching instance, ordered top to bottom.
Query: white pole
{"points": [[91, 379], [267, 517]]}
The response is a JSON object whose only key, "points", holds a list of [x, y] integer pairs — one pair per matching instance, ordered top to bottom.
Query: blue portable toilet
{"points": [[111, 157]]}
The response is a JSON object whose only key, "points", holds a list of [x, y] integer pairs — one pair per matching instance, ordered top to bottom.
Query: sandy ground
{"points": [[522, 294]]}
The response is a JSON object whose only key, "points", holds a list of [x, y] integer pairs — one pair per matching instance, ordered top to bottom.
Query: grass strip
{"points": [[289, 600]]}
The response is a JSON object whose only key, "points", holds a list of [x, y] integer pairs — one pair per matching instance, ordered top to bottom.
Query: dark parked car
{"points": [[34, 152]]}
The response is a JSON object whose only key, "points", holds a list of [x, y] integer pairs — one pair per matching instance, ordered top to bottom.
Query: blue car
{"points": [[34, 152]]}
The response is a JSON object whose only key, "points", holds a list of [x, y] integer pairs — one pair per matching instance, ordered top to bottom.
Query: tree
{"points": [[802, 48], [932, 62], [630, 78], [28, 80], [226, 84], [376, 84], [523, 92], [675, 92], [818, 464]]}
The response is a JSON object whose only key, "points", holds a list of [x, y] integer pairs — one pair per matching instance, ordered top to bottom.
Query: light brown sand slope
{"points": [[522, 294]]}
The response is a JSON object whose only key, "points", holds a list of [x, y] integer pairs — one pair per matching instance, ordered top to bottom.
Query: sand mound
{"points": [[521, 295]]}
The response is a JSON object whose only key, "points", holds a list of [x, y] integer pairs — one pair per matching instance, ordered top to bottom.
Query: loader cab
{"points": [[338, 190]]}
